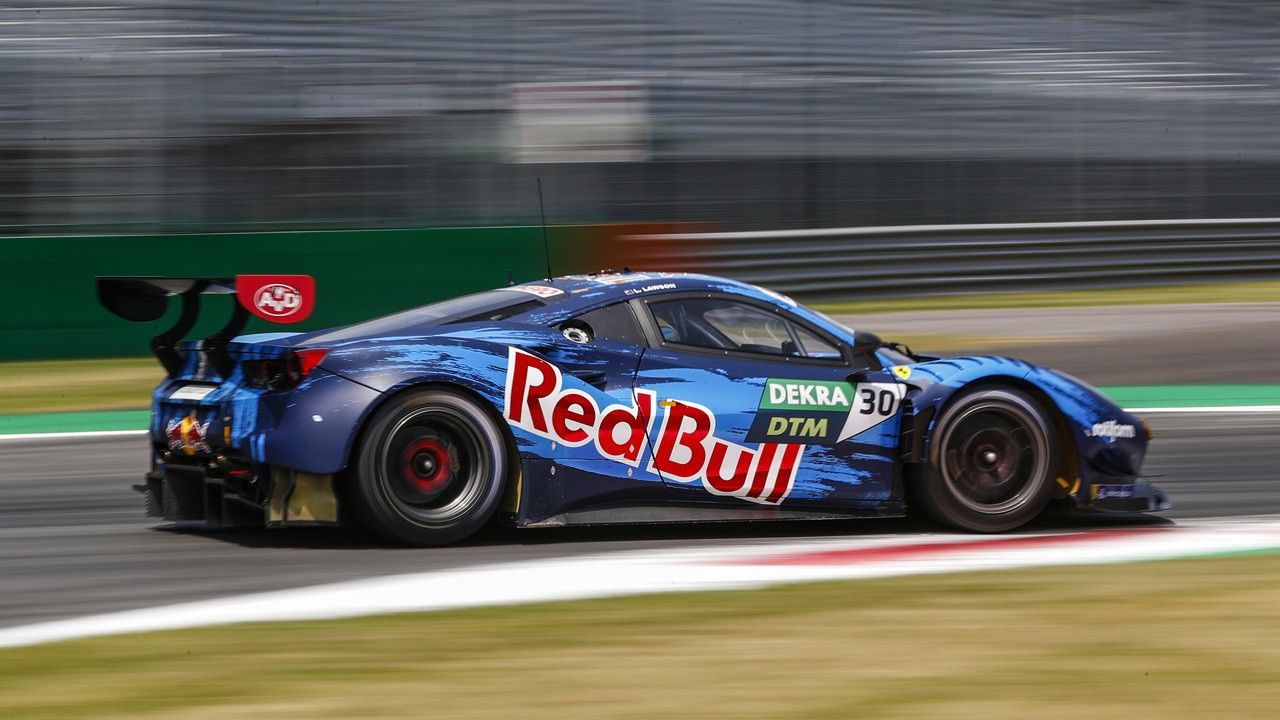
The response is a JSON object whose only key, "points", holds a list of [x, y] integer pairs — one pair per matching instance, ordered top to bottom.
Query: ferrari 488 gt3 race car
{"points": [[604, 398]]}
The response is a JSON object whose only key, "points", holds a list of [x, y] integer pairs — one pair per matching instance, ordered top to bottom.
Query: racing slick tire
{"points": [[992, 462], [430, 468]]}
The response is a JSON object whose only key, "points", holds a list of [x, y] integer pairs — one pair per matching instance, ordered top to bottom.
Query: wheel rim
{"points": [[994, 457], [433, 465]]}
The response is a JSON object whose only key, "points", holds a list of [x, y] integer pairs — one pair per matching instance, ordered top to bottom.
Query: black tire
{"points": [[992, 462], [430, 469]]}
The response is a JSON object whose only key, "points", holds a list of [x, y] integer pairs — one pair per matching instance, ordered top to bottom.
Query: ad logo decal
{"points": [[542, 291], [277, 298], [1112, 430], [687, 450], [1111, 492]]}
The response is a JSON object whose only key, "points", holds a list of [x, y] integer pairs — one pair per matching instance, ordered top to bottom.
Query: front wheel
{"points": [[991, 462], [430, 469]]}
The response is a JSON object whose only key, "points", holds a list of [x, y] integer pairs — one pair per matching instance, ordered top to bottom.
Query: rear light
{"points": [[308, 359], [283, 373]]}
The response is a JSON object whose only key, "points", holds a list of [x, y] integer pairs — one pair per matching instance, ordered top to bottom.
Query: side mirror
{"points": [[865, 345]]}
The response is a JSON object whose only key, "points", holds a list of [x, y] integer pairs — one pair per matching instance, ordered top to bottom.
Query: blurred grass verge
{"points": [[126, 383], [64, 385], [1175, 639]]}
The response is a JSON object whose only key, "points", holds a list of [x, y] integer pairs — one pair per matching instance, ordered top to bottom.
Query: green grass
{"points": [[1261, 291], [63, 385], [1181, 639]]}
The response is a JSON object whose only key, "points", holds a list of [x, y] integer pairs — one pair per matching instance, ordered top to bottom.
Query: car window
{"points": [[490, 305], [501, 313], [614, 322], [723, 324], [751, 330], [812, 346]]}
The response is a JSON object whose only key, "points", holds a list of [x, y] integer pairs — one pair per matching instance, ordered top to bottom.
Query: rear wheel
{"points": [[991, 462], [430, 469]]}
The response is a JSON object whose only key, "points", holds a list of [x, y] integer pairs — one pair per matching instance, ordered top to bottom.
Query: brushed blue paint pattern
{"points": [[315, 426]]}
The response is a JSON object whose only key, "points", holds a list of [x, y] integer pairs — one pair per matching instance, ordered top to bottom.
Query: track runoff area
{"points": [[734, 566], [681, 570]]}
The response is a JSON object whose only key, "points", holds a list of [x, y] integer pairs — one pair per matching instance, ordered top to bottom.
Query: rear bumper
{"points": [[311, 427], [275, 498]]}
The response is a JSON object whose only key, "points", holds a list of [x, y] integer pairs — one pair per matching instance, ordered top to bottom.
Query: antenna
{"points": [[546, 245]]}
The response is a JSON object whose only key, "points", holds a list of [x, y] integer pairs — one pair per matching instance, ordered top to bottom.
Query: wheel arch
{"points": [[1068, 456], [515, 472]]}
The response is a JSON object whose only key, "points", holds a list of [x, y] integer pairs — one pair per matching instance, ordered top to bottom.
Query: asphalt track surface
{"points": [[74, 541]]}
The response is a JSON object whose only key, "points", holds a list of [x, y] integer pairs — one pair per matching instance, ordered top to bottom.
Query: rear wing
{"points": [[275, 298]]}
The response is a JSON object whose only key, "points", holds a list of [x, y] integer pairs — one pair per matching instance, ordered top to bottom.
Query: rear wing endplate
{"points": [[275, 298]]}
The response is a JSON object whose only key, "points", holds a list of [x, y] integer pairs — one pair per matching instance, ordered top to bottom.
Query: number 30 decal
{"points": [[877, 402], [873, 404]]}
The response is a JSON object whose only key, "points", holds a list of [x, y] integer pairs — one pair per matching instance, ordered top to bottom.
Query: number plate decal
{"points": [[873, 403]]}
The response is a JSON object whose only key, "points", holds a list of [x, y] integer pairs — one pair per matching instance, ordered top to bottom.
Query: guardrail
{"points": [[857, 262]]}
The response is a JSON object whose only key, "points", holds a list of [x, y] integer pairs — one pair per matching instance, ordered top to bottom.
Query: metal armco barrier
{"points": [[848, 263]]}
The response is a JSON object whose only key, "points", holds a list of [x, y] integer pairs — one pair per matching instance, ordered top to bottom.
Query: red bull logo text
{"points": [[686, 448]]}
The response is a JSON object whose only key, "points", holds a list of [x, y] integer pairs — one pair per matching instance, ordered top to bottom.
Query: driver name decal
{"points": [[686, 449]]}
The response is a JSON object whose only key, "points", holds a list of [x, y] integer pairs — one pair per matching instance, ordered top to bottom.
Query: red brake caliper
{"points": [[426, 465]]}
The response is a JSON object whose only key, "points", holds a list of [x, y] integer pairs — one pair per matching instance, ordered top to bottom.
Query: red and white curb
{"points": [[742, 566]]}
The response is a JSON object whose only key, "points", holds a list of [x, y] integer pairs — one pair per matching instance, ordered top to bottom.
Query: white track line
{"points": [[1206, 410], [88, 434], [668, 570]]}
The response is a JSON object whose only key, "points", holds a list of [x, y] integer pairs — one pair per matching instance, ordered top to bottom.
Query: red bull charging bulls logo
{"points": [[686, 449]]}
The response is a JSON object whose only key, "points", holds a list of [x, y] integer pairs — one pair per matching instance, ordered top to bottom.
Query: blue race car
{"points": [[604, 398]]}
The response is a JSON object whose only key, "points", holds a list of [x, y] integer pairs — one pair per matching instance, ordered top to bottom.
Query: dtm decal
{"points": [[822, 412], [686, 450]]}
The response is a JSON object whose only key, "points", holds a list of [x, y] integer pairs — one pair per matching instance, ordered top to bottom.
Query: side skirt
{"points": [[667, 513]]}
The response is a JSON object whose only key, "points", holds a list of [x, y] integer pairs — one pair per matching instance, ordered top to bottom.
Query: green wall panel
{"points": [[48, 308]]}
